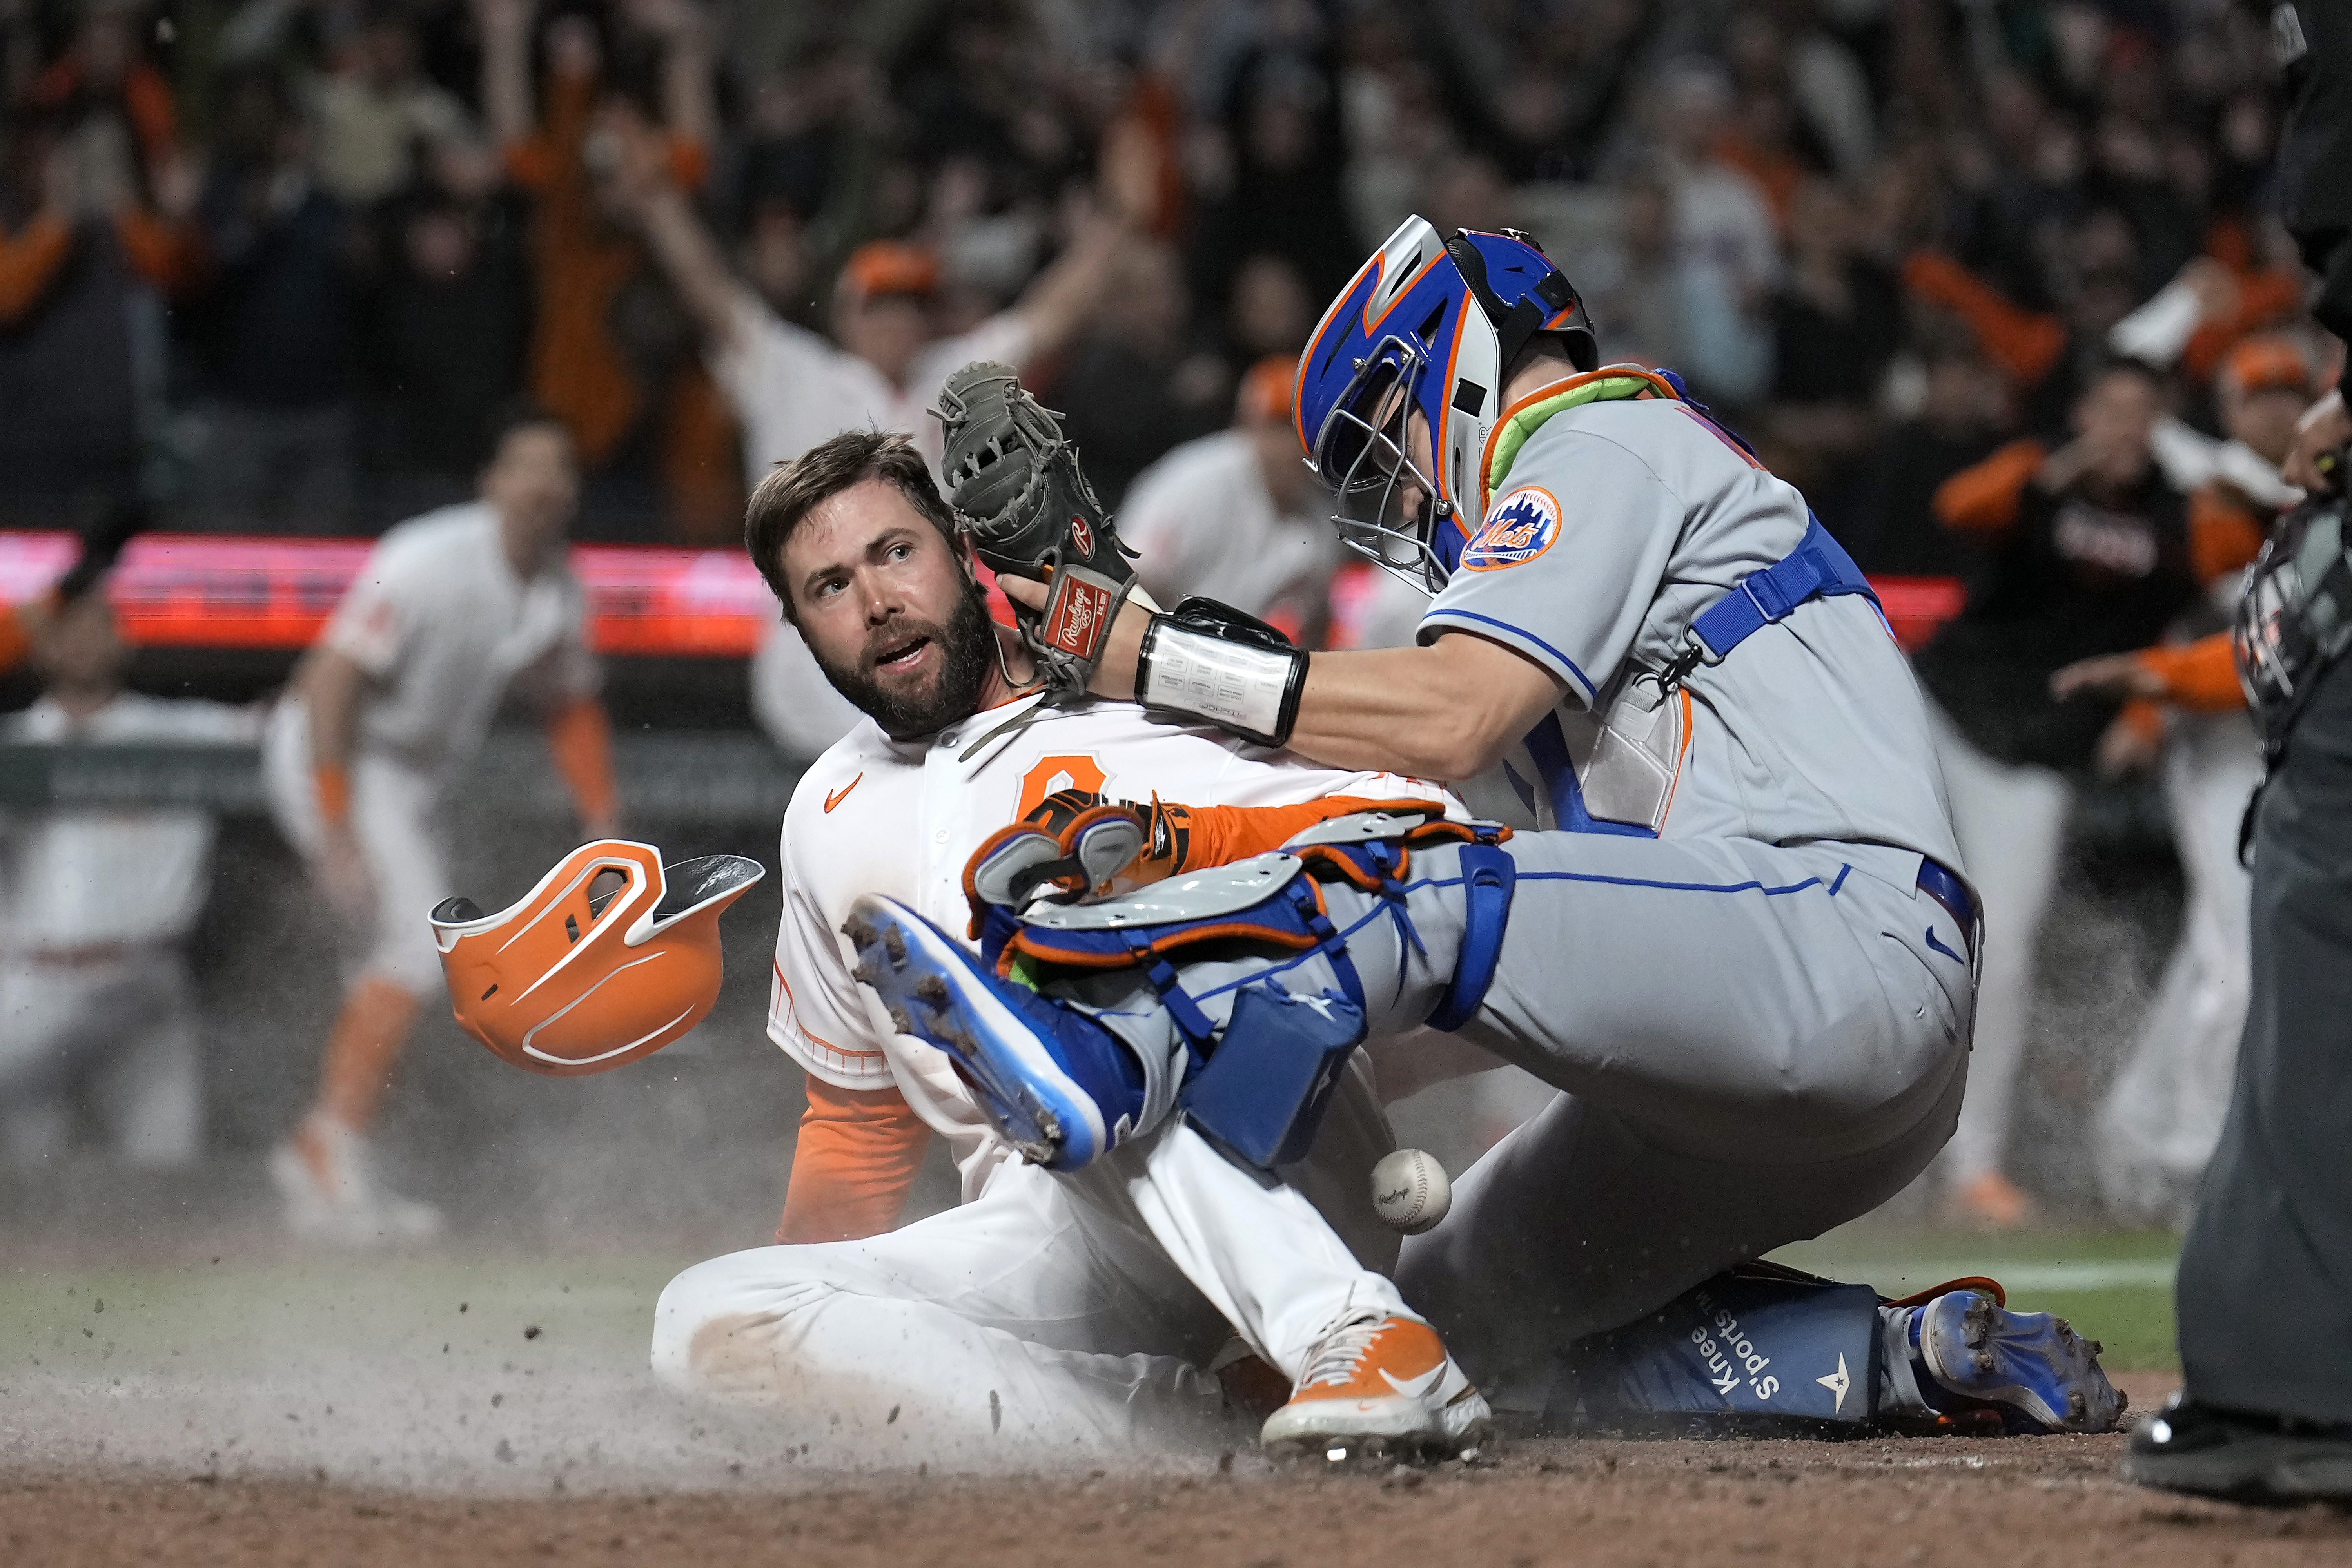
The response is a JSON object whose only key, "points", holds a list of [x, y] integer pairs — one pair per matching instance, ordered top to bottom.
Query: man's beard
{"points": [[967, 645]]}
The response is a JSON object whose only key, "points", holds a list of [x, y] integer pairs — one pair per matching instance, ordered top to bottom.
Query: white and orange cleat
{"points": [[328, 1181], [1378, 1389]]}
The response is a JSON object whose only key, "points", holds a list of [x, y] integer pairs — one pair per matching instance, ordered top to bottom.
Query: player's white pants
{"points": [[395, 816], [2011, 820], [123, 1033], [2163, 1116], [1043, 1317]]}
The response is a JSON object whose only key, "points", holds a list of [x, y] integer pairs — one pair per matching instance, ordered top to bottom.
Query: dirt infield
{"points": [[2014, 1503]]}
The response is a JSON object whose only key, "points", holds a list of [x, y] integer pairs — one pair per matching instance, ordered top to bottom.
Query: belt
{"points": [[1950, 891]]}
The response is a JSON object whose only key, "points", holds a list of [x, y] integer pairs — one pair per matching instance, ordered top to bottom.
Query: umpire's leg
{"points": [[2265, 1290]]}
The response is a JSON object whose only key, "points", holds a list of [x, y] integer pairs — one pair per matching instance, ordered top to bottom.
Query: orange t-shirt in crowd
{"points": [[582, 264]]}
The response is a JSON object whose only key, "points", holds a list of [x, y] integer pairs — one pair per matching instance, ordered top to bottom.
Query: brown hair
{"points": [[792, 490]]}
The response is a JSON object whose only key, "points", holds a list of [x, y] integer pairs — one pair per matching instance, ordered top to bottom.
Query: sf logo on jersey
{"points": [[1519, 527]]}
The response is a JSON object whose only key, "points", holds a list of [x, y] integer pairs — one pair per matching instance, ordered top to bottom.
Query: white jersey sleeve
{"points": [[382, 609], [816, 1011]]}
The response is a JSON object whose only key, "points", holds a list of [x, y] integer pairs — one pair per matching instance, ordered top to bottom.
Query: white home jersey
{"points": [[791, 388], [1200, 521], [439, 619], [874, 815], [74, 879]]}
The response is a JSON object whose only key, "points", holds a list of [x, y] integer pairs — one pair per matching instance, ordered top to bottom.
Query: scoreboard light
{"points": [[217, 591]]}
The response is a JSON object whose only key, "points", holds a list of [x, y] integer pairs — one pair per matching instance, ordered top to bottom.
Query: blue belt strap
{"points": [[1818, 567], [1488, 874]]}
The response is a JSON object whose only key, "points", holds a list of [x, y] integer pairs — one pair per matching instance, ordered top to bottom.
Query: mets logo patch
{"points": [[1519, 527]]}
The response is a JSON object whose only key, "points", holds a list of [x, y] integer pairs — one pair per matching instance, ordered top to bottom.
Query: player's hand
{"points": [[2324, 427], [2109, 674], [1114, 677], [2128, 747], [343, 873]]}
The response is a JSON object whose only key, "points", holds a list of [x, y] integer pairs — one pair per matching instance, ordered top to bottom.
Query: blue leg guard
{"points": [[1754, 1350], [1760, 1350]]}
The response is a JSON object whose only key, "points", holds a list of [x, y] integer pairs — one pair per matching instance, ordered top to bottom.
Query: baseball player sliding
{"points": [[451, 609], [1742, 947], [1039, 1314]]}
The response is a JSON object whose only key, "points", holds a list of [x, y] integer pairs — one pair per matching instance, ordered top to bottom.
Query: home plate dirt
{"points": [[2013, 1502]]}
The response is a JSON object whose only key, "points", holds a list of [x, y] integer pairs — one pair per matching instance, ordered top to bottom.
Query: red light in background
{"points": [[207, 591]]}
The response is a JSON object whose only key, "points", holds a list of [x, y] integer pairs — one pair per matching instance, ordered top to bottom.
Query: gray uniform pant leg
{"points": [[1757, 1043], [2265, 1284]]}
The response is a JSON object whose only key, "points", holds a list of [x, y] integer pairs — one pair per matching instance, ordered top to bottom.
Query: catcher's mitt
{"points": [[1015, 483]]}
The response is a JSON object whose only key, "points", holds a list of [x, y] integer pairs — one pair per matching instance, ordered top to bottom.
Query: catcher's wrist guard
{"points": [[1019, 494], [1207, 660]]}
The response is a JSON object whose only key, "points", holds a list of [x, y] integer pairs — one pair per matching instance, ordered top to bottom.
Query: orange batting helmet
{"points": [[563, 983]]}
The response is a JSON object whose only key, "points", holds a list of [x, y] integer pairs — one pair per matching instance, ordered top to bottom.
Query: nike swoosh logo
{"points": [[836, 797], [1940, 947], [1414, 1387]]}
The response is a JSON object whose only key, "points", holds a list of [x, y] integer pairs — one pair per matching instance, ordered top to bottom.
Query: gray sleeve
{"points": [[1565, 564]]}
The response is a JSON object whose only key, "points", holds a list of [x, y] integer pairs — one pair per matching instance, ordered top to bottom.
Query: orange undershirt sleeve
{"points": [[164, 252], [28, 262], [2263, 297], [2025, 344], [1983, 499], [2223, 535], [16, 641], [2201, 676], [581, 736], [1219, 835], [857, 1155]]}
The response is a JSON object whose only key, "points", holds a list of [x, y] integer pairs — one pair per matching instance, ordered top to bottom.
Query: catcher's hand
{"points": [[1016, 485]]}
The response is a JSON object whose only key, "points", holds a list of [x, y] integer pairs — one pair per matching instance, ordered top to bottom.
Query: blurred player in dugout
{"points": [[451, 611], [96, 1010]]}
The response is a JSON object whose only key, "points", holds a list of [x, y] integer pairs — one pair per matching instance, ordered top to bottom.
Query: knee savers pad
{"points": [[1262, 1095], [1754, 1350]]}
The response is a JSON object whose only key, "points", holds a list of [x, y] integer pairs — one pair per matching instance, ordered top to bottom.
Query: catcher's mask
{"points": [[1432, 323], [565, 983]]}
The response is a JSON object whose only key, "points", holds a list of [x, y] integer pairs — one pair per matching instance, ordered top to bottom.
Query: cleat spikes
{"points": [[861, 932], [894, 943], [865, 974], [932, 989], [900, 1020]]}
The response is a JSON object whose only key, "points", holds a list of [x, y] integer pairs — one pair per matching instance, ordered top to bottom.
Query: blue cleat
{"points": [[1060, 1087], [2032, 1367]]}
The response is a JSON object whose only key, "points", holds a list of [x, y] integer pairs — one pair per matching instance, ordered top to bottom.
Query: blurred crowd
{"points": [[274, 263]]}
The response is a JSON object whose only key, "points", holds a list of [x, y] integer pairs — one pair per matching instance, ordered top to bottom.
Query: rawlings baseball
{"points": [[1411, 1190]]}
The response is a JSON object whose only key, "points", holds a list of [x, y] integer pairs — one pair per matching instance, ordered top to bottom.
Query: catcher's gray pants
{"points": [[1757, 1044]]}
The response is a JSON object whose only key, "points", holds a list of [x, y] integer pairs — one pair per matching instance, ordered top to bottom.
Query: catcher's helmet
{"points": [[1430, 323], [565, 983]]}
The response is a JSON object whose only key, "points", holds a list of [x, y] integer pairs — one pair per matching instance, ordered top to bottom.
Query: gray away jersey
{"points": [[1618, 523]]}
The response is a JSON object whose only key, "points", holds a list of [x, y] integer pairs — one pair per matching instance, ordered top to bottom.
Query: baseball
{"points": [[1411, 1190]]}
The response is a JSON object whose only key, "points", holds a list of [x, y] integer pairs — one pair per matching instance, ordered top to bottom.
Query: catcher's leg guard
{"points": [[1754, 1349], [1761, 1349]]}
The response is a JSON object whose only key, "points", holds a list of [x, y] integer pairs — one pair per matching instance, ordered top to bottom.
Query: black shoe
{"points": [[2243, 1456]]}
